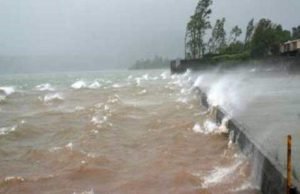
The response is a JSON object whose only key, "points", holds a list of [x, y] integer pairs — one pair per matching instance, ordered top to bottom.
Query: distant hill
{"points": [[155, 63]]}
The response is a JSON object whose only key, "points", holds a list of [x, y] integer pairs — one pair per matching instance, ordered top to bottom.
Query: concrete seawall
{"points": [[268, 174]]}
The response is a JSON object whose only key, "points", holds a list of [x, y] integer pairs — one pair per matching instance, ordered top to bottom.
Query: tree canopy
{"points": [[196, 28], [261, 39]]}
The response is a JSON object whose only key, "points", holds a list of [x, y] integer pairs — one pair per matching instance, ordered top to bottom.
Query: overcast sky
{"points": [[119, 30]]}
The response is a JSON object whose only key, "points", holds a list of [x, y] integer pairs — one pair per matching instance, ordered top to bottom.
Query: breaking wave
{"points": [[79, 85], [82, 85], [94, 85], [45, 87], [7, 90], [53, 97]]}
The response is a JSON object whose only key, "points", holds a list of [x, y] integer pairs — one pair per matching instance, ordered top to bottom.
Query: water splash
{"points": [[7, 90]]}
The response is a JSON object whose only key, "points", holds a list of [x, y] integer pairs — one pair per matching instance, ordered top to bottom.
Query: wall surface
{"points": [[268, 174]]}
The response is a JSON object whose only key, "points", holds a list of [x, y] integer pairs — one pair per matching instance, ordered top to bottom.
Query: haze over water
{"points": [[113, 132]]}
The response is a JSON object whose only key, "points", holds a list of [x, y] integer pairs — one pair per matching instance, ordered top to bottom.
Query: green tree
{"points": [[196, 28], [249, 31], [296, 32], [235, 33], [267, 38], [217, 42]]}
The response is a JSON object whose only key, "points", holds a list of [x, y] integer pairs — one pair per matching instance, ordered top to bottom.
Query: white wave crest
{"points": [[145, 77], [138, 81], [79, 85], [94, 85], [116, 86], [45, 87], [7, 90], [142, 92], [53, 97], [96, 121], [210, 127], [197, 128], [7, 130], [69, 146], [14, 178]]}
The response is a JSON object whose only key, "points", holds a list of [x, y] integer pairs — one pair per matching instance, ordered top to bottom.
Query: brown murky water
{"points": [[117, 132]]}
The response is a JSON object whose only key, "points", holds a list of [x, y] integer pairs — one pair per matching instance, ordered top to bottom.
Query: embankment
{"points": [[268, 174]]}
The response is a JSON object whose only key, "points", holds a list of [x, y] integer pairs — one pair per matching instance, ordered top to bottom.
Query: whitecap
{"points": [[164, 75], [145, 77], [138, 81], [79, 85], [94, 85], [116, 85], [45, 87], [7, 90], [143, 92], [53, 97], [114, 99], [23, 121], [96, 121], [210, 127], [197, 128], [7, 130], [69, 146], [14, 178]]}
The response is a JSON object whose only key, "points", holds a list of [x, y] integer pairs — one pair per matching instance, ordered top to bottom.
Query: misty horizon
{"points": [[117, 33]]}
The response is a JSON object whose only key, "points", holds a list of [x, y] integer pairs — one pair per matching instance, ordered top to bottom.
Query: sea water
{"points": [[113, 132]]}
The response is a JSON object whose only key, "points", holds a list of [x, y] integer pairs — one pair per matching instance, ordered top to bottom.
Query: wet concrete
{"points": [[267, 108]]}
